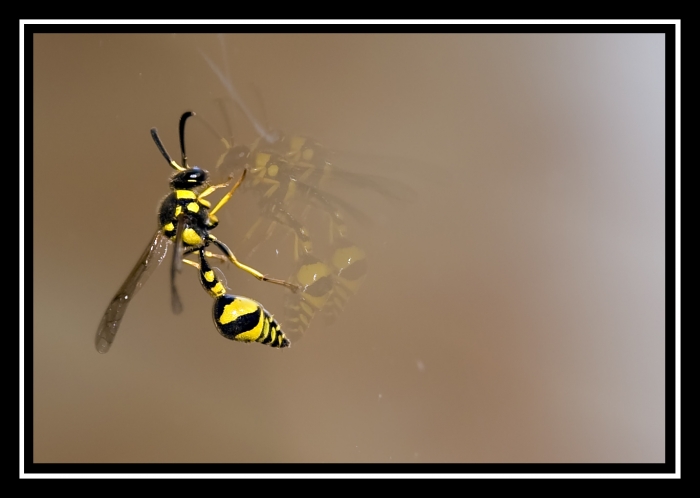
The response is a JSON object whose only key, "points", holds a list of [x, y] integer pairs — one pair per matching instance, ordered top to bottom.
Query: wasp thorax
{"points": [[190, 178]]}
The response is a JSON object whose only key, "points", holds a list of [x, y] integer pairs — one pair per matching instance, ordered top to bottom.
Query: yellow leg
{"points": [[275, 185], [212, 188], [225, 198], [276, 215], [252, 230], [270, 230], [208, 254], [220, 257], [191, 263], [248, 269]]}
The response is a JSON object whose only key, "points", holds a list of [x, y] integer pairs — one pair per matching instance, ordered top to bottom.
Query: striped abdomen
{"points": [[350, 268], [316, 280], [237, 317]]}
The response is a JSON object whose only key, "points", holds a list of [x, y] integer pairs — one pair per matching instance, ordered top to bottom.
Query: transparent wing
{"points": [[387, 187], [331, 203], [150, 260], [176, 266]]}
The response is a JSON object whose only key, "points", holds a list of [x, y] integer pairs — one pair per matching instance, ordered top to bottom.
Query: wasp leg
{"points": [[274, 186], [211, 188], [228, 195], [201, 197], [268, 206], [277, 214], [337, 225], [208, 254], [220, 257], [191, 263], [247, 268]]}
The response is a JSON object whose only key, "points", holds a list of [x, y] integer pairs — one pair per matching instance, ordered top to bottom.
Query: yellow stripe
{"points": [[296, 143], [261, 159], [185, 194], [190, 237], [343, 257], [308, 274], [218, 289], [317, 301], [239, 307], [307, 309], [268, 331], [253, 334]]}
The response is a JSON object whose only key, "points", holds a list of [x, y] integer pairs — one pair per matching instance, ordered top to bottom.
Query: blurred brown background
{"points": [[514, 312]]}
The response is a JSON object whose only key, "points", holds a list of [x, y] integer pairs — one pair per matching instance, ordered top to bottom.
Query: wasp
{"points": [[293, 170], [281, 183], [185, 220]]}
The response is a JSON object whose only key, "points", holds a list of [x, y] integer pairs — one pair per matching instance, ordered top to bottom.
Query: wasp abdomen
{"points": [[350, 265], [316, 280], [241, 319]]}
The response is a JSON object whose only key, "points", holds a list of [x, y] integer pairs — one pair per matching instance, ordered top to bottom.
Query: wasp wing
{"points": [[389, 188], [332, 203], [150, 260], [176, 267]]}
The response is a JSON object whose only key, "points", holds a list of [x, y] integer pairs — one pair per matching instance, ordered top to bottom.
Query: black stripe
{"points": [[355, 271], [240, 325]]}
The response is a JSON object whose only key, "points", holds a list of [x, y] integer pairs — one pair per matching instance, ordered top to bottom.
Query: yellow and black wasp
{"points": [[290, 175], [186, 218]]}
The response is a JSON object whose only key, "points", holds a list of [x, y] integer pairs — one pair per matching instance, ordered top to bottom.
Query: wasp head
{"points": [[189, 178]]}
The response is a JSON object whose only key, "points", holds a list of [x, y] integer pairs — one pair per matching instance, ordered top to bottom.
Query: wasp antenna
{"points": [[227, 72], [183, 120], [227, 121], [259, 128], [272, 136], [227, 141], [159, 144]]}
